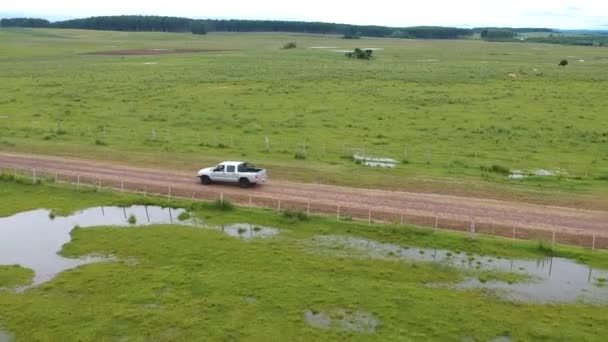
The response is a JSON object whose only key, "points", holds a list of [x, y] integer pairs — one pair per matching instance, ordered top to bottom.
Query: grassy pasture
{"points": [[449, 110], [194, 283]]}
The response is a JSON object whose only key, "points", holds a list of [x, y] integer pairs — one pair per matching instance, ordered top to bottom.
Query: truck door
{"points": [[219, 173], [231, 174]]}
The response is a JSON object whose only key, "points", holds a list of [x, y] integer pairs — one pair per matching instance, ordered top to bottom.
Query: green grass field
{"points": [[446, 109], [192, 283]]}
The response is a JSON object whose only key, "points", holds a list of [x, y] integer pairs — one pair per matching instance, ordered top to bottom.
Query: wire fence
{"points": [[318, 207]]}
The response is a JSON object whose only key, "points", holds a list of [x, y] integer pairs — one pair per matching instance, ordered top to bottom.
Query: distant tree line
{"points": [[24, 22], [175, 24], [497, 35], [581, 40]]}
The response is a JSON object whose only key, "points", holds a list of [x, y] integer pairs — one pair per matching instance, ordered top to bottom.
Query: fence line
{"points": [[342, 213]]}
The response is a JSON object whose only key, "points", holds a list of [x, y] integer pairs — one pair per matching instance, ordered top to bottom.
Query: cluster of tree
{"points": [[25, 22], [129, 23], [174, 24], [198, 27], [517, 30], [431, 32], [356, 35], [497, 35], [582, 40], [360, 54]]}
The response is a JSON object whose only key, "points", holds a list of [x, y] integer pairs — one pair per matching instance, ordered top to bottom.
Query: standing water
{"points": [[32, 239], [551, 279]]}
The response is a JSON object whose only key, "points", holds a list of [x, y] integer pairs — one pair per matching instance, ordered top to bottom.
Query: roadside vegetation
{"points": [[176, 283]]}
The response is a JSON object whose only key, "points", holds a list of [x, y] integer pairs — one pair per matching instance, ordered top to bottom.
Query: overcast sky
{"points": [[564, 14]]}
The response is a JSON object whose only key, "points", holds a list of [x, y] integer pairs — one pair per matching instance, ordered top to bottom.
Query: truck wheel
{"points": [[206, 180], [244, 183]]}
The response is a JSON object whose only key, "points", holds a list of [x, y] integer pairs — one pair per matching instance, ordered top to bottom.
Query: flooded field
{"points": [[32, 239], [549, 280]]}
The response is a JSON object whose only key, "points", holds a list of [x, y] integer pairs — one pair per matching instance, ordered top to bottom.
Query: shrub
{"points": [[290, 45], [360, 54], [563, 63], [100, 142], [300, 155], [496, 169], [223, 204], [295, 214], [183, 216], [132, 219], [544, 248]]}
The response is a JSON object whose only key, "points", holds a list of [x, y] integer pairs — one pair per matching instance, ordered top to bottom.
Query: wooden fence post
{"points": [[34, 176], [56, 177], [78, 183], [122, 185], [145, 190], [193, 196], [279, 206], [308, 209], [338, 214], [369, 216], [402, 219], [436, 221], [553, 239], [593, 244]]}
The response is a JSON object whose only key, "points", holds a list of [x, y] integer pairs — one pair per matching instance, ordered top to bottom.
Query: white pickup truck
{"points": [[243, 174]]}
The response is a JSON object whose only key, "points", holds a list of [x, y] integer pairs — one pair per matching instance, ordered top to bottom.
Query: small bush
{"points": [[290, 45], [360, 54], [563, 63], [100, 142], [300, 155], [496, 169], [224, 205], [52, 214], [295, 214], [183, 216], [132, 219], [241, 230], [544, 248]]}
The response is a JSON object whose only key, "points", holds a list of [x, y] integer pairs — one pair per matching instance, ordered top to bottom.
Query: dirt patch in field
{"points": [[148, 52]]}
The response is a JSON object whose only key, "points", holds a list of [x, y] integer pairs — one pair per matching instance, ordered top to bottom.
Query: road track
{"points": [[444, 207]]}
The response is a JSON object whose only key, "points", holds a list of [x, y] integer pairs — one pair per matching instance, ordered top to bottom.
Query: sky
{"points": [[561, 14]]}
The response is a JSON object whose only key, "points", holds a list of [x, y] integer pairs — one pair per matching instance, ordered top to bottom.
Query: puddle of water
{"points": [[374, 161], [519, 174], [248, 231], [32, 239], [553, 279], [357, 321], [5, 336]]}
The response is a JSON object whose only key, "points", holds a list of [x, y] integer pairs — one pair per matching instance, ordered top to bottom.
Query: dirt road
{"points": [[445, 208]]}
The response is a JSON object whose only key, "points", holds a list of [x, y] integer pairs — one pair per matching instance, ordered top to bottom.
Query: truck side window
{"points": [[219, 168], [230, 168]]}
